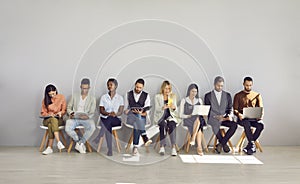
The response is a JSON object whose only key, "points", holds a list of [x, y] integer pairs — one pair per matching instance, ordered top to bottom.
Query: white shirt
{"points": [[218, 96], [136, 98], [81, 104], [111, 104]]}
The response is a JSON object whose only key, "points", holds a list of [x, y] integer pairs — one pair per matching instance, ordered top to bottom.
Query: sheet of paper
{"points": [[248, 159]]}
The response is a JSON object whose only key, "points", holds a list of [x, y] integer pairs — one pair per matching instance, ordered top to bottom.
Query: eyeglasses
{"points": [[85, 88]]}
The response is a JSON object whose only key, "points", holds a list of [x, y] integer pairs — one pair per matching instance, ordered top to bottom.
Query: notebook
{"points": [[141, 108], [46, 117]]}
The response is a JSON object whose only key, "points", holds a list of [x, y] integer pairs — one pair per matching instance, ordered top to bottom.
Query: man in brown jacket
{"points": [[248, 98]]}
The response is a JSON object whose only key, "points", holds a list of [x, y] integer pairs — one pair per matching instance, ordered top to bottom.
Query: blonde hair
{"points": [[163, 86]]}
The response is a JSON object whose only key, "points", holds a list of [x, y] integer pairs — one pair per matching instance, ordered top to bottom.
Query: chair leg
{"points": [[114, 132], [63, 137], [210, 140], [43, 141], [185, 141], [72, 142], [129, 142], [188, 142], [203, 142], [241, 142], [215, 143], [100, 144], [257, 144], [70, 145], [88, 146], [156, 146], [177, 148]]}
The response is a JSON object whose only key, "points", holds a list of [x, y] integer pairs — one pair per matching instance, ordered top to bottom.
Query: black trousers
{"points": [[247, 124], [106, 127], [167, 127], [229, 133]]}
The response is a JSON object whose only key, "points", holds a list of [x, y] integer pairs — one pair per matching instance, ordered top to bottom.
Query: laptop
{"points": [[202, 110], [252, 112]]}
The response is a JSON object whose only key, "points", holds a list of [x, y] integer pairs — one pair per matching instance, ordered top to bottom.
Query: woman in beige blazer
{"points": [[165, 115]]}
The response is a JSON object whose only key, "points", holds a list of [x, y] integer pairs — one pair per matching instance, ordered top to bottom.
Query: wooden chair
{"points": [[148, 124], [77, 130], [115, 134], [213, 136], [45, 137], [242, 139], [187, 140], [157, 144]]}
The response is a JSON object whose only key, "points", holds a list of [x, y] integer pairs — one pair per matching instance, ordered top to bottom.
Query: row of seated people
{"points": [[81, 108]]}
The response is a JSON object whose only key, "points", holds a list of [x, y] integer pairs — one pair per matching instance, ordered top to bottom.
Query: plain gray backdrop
{"points": [[59, 42]]}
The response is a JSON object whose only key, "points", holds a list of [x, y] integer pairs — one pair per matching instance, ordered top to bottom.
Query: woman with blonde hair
{"points": [[165, 115]]}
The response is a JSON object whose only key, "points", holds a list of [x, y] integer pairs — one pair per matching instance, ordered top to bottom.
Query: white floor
{"points": [[27, 165]]}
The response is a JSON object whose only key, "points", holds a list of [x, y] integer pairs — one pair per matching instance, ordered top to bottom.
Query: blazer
{"points": [[89, 108], [225, 108], [159, 112]]}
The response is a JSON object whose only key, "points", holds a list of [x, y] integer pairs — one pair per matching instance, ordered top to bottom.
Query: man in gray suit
{"points": [[220, 113]]}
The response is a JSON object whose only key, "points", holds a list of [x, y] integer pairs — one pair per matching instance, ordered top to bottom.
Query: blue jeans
{"points": [[138, 122], [89, 128]]}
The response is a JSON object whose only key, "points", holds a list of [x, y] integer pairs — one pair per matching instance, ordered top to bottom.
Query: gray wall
{"points": [[59, 42]]}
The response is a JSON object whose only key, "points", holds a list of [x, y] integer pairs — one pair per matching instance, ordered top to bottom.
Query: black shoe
{"points": [[145, 138], [218, 148], [226, 148], [245, 149], [251, 149], [249, 152], [109, 153]]}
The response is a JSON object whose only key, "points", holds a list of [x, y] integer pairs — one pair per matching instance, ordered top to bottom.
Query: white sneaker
{"points": [[192, 143], [60, 145], [80, 147], [84, 148], [48, 151], [162, 151], [174, 152]]}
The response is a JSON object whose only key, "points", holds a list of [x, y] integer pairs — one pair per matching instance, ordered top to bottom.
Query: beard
{"points": [[247, 90]]}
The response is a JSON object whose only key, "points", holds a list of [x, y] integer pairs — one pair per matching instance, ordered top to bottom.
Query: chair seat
{"points": [[131, 126], [79, 127], [223, 127], [46, 128], [113, 128], [114, 133], [44, 140], [188, 140]]}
